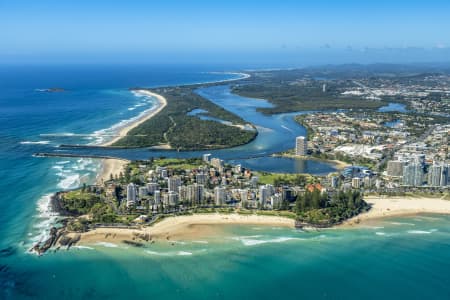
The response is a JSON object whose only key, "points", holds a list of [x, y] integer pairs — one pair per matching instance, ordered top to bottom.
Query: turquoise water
{"points": [[407, 258]]}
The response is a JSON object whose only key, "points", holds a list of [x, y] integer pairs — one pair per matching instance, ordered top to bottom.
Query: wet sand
{"points": [[162, 102], [111, 166], [383, 206], [182, 228]]}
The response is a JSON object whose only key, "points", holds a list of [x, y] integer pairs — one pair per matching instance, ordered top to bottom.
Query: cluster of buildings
{"points": [[418, 88], [355, 133], [384, 141], [422, 163], [415, 170], [211, 183]]}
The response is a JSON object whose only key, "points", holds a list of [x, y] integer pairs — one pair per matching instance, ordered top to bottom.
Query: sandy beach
{"points": [[162, 102], [340, 165], [111, 166], [115, 166], [383, 206], [207, 225], [183, 227]]}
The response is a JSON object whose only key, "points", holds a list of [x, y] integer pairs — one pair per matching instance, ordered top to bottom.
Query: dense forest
{"points": [[181, 131], [315, 209]]}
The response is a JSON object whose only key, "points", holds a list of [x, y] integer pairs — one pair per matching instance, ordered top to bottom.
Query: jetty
{"points": [[46, 154]]}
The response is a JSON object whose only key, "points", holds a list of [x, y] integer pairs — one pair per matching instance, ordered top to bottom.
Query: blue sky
{"points": [[195, 30]]}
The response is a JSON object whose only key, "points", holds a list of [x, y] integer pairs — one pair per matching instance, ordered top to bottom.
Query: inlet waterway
{"points": [[276, 133], [400, 258]]}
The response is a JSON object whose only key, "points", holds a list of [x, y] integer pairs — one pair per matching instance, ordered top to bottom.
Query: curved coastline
{"points": [[162, 102], [110, 167], [385, 207], [182, 227], [192, 227]]}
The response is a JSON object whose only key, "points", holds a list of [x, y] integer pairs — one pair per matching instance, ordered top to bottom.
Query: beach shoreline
{"points": [[162, 102], [115, 166], [110, 167], [385, 207], [197, 226], [190, 227]]}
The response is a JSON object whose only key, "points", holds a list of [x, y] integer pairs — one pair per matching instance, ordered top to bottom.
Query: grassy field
{"points": [[175, 163], [273, 178]]}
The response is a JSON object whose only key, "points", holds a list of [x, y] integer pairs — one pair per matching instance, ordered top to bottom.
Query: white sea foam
{"points": [[241, 76], [143, 94], [62, 134], [100, 135], [35, 142], [68, 178], [70, 181], [45, 218], [428, 218], [402, 223], [419, 232], [380, 233], [249, 236], [178, 242], [201, 242], [253, 242], [107, 245], [83, 247], [156, 253], [178, 253]]}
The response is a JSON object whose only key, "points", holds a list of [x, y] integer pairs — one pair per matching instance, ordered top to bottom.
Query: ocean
{"points": [[395, 258]]}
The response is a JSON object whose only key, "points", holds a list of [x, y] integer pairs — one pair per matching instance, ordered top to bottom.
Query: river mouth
{"points": [[276, 133]]}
